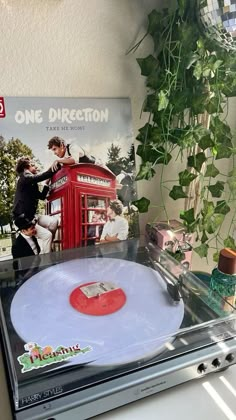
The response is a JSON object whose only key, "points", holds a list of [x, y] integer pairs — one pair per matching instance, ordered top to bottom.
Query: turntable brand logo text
{"points": [[2, 108], [38, 357]]}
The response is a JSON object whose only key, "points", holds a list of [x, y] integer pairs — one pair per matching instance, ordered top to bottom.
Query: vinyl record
{"points": [[139, 316]]}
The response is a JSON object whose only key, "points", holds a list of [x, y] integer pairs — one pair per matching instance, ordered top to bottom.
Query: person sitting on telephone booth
{"points": [[68, 154], [116, 228], [95, 230]]}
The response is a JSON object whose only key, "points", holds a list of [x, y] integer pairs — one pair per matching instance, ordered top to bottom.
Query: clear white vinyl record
{"points": [[41, 311]]}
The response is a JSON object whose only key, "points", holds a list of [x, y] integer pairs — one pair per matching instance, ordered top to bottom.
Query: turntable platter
{"points": [[138, 319]]}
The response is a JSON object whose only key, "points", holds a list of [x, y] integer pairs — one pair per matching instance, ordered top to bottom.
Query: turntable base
{"points": [[65, 359], [197, 398]]}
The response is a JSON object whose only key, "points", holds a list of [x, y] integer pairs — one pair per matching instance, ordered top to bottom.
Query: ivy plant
{"points": [[189, 79]]}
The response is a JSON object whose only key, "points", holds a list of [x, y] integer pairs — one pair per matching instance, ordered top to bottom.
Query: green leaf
{"points": [[202, 3], [182, 6], [154, 20], [187, 35], [201, 46], [193, 57], [217, 64], [148, 65], [197, 70], [206, 72], [153, 80], [229, 87], [163, 100], [179, 100], [198, 101], [151, 104], [213, 106], [162, 121], [219, 128], [199, 132], [144, 133], [222, 134], [192, 135], [156, 136], [176, 136], [187, 140], [206, 142], [224, 149], [145, 151], [153, 154], [197, 161], [146, 171], [212, 171], [186, 177], [231, 181], [216, 189], [177, 192], [142, 204], [222, 207], [208, 209], [188, 216], [218, 220], [210, 221], [213, 223], [204, 237], [230, 243], [202, 250], [216, 256]]}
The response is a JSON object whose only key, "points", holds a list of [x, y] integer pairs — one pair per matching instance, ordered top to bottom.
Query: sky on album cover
{"points": [[92, 123]]}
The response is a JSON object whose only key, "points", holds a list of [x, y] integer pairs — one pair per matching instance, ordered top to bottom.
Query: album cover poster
{"points": [[97, 134]]}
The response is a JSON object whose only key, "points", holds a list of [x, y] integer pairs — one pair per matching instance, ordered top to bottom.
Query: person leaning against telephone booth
{"points": [[26, 199], [116, 228]]}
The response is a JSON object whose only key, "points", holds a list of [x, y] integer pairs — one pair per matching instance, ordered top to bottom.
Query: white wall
{"points": [[72, 47], [77, 48]]}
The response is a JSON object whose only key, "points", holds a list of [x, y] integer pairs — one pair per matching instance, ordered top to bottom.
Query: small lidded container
{"points": [[223, 281]]}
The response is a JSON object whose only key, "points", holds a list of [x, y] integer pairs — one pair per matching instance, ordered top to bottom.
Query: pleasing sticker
{"points": [[39, 357]]}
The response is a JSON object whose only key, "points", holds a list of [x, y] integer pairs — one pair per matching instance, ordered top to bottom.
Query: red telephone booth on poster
{"points": [[77, 193]]}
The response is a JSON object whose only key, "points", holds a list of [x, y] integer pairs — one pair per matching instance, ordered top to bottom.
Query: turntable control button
{"points": [[230, 357], [216, 363], [202, 368]]}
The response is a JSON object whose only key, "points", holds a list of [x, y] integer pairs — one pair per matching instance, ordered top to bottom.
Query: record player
{"points": [[90, 329]]}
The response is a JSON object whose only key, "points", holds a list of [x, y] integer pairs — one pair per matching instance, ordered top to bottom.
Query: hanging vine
{"points": [[188, 80]]}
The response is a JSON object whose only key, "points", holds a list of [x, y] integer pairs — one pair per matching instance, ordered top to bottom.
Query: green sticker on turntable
{"points": [[39, 357]]}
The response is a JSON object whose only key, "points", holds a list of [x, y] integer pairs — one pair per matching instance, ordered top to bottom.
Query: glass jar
{"points": [[223, 283]]}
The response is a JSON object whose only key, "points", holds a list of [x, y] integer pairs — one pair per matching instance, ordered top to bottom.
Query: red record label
{"points": [[97, 298]]}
